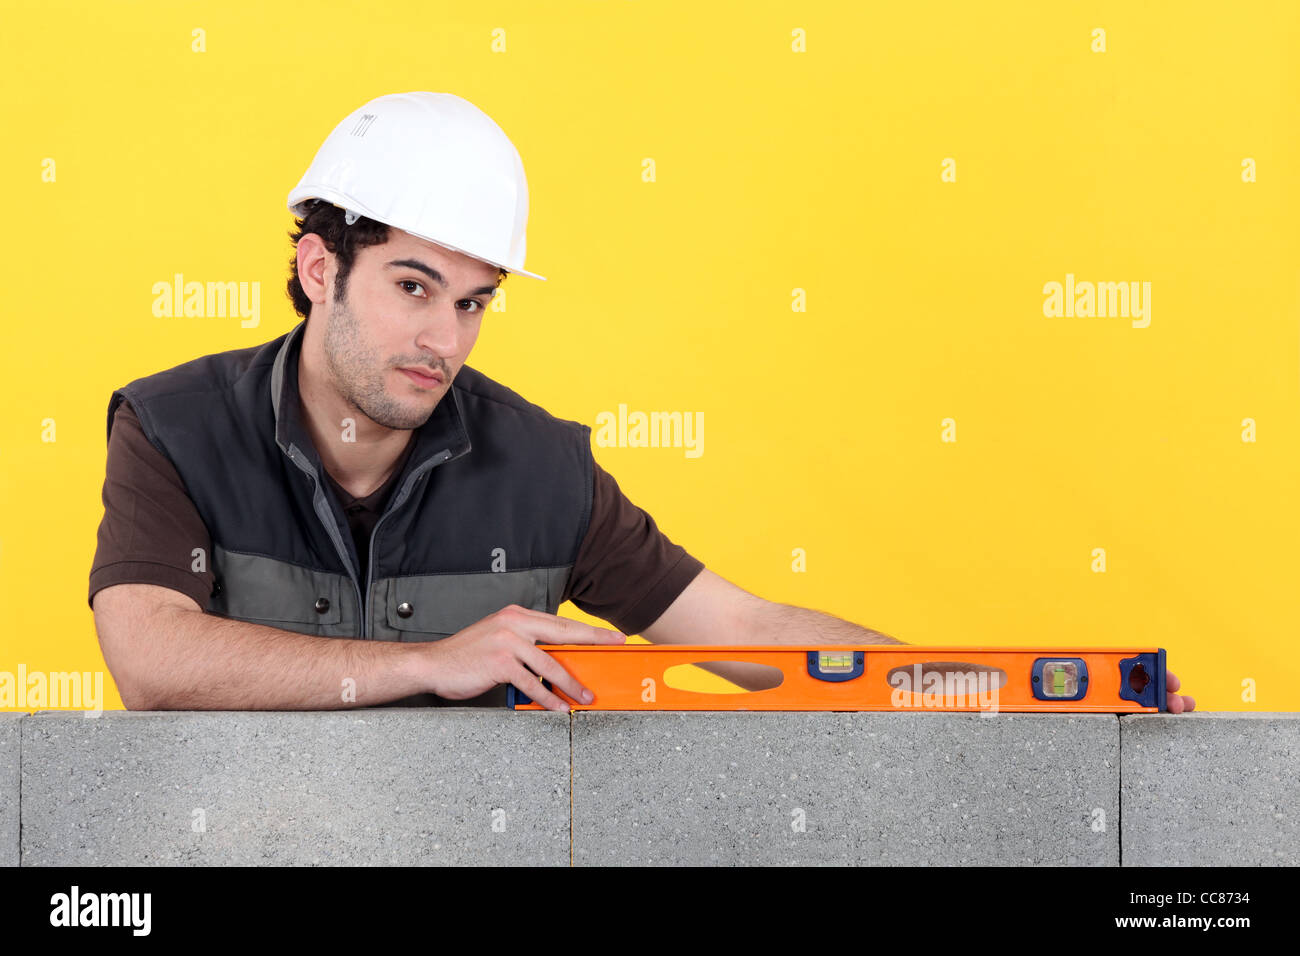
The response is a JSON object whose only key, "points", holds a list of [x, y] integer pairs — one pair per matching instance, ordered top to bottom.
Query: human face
{"points": [[408, 304]]}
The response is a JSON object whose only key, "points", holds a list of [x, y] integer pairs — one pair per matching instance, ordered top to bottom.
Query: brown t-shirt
{"points": [[627, 571]]}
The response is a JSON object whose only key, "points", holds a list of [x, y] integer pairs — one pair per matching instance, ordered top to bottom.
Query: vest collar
{"points": [[442, 438]]}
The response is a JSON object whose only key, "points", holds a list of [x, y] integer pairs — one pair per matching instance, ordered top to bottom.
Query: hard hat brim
{"points": [[297, 205]]}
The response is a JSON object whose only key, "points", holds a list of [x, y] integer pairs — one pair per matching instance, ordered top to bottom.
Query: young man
{"points": [[349, 515]]}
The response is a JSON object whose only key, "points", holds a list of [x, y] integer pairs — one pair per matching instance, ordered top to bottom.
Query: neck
{"points": [[359, 457]]}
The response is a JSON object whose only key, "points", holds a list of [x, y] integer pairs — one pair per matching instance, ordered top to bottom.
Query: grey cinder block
{"points": [[9, 744], [410, 786], [845, 788], [1215, 789]]}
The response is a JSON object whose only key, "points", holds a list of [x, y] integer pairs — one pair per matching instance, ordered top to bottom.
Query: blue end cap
{"points": [[1162, 692], [1153, 694], [515, 697]]}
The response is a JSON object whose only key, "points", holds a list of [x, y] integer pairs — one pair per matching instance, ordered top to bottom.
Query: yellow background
{"points": [[775, 170]]}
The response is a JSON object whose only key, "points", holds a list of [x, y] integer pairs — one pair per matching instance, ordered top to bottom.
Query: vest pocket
{"points": [[263, 590], [429, 607]]}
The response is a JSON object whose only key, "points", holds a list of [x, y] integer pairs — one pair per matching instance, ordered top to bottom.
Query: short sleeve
{"points": [[150, 528], [627, 571]]}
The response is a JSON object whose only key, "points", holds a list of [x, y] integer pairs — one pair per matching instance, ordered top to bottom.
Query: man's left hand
{"points": [[1177, 703]]}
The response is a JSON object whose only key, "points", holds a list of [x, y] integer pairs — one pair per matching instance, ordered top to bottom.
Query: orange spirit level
{"points": [[890, 677]]}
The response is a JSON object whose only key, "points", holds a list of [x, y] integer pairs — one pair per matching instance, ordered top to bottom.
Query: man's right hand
{"points": [[502, 649]]}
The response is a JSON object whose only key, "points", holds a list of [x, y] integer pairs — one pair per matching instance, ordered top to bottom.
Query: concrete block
{"points": [[9, 763], [375, 786], [845, 788], [1215, 789]]}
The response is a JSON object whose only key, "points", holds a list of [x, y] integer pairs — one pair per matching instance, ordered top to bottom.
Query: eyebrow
{"points": [[433, 274]]}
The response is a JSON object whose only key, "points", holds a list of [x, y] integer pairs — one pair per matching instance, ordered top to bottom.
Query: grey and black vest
{"points": [[493, 481]]}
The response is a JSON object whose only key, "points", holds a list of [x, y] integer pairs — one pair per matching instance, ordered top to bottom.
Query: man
{"points": [[364, 518]]}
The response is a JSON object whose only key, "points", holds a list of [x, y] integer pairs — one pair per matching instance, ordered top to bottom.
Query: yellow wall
{"points": [[775, 170]]}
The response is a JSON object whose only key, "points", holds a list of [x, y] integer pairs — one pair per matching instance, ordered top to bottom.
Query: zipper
{"points": [[392, 506], [321, 507]]}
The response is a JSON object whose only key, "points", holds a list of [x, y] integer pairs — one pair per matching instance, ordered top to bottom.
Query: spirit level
{"points": [[889, 677]]}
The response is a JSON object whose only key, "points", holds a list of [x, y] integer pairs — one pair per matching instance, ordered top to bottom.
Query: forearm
{"points": [[773, 623], [188, 660]]}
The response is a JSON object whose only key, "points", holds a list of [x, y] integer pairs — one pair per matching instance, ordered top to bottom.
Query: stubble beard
{"points": [[359, 375]]}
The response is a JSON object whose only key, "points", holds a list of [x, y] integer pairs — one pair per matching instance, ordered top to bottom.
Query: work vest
{"points": [[489, 510]]}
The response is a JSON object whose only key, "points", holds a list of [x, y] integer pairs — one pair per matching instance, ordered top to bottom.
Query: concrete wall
{"points": [[10, 725], [474, 786], [359, 787], [844, 788], [1211, 789]]}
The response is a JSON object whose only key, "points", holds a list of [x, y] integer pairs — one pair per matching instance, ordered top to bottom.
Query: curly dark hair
{"points": [[344, 241]]}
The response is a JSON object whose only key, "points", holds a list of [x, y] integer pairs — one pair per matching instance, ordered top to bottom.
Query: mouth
{"points": [[425, 378]]}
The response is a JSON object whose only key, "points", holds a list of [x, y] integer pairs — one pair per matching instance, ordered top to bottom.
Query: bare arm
{"points": [[712, 610], [773, 623], [166, 654]]}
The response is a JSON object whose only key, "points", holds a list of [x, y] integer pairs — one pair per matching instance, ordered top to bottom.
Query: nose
{"points": [[440, 333]]}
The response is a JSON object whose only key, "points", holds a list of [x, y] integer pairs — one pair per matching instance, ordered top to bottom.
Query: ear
{"points": [[313, 260]]}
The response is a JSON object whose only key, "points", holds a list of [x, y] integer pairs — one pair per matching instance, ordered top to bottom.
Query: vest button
{"points": [[216, 588], [322, 605], [405, 610]]}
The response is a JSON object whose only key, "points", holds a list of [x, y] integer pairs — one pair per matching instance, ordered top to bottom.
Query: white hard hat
{"points": [[431, 164]]}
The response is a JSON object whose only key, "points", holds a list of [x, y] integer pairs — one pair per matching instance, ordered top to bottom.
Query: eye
{"points": [[406, 282], [474, 302]]}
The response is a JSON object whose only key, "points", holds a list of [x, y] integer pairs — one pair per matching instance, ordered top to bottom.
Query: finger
{"points": [[552, 629], [540, 662], [1171, 682], [536, 690], [1174, 704], [1189, 704]]}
